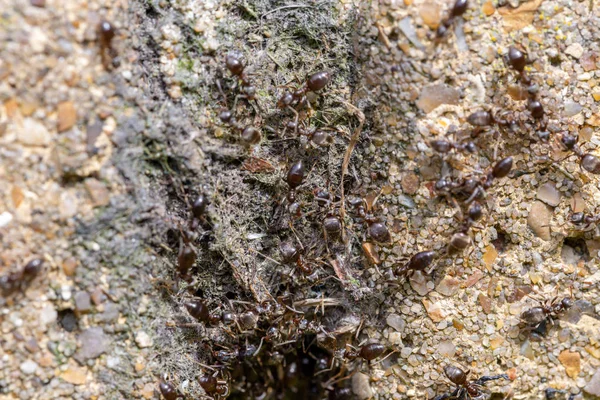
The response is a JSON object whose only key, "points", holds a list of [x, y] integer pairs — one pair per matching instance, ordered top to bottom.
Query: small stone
{"points": [[38, 3], [488, 8], [431, 13], [575, 50], [589, 61], [435, 95], [571, 108], [67, 116], [33, 133], [410, 183], [98, 192], [549, 194], [539, 220], [371, 252], [490, 256], [69, 266], [473, 279], [419, 283], [448, 286], [98, 296], [82, 302], [485, 302], [433, 310], [111, 313], [48, 315], [396, 322], [458, 324], [143, 340], [94, 342], [495, 342], [446, 348], [526, 350], [571, 361], [28, 367], [75, 376], [593, 386], [361, 387]]}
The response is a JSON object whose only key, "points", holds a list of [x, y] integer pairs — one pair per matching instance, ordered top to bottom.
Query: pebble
{"points": [[431, 13], [575, 50], [435, 95], [571, 108], [67, 116], [33, 133], [410, 183], [98, 192], [549, 194], [5, 219], [539, 220], [419, 283], [448, 286], [66, 292], [82, 302], [485, 302], [433, 310], [111, 313], [48, 315], [396, 322], [143, 340], [94, 342], [447, 348], [571, 361], [28, 367], [76, 376], [593, 386], [361, 387]]}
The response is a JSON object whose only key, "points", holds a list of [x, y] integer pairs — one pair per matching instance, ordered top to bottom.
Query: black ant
{"points": [[458, 9], [106, 33], [291, 100], [445, 146], [587, 161], [294, 178], [472, 188], [584, 221], [376, 228], [291, 254], [419, 262], [19, 280], [537, 318], [368, 352], [213, 386], [466, 389], [168, 391]]}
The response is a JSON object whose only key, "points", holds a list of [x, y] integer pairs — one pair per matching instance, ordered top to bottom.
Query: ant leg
{"points": [[297, 116], [482, 381]]}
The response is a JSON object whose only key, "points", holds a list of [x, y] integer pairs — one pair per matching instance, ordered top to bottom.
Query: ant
{"points": [[458, 9], [106, 33], [517, 60], [235, 63], [291, 100], [249, 134], [318, 137], [445, 146], [587, 161], [294, 178], [472, 188], [584, 221], [376, 228], [291, 254], [419, 262], [19, 280], [198, 309], [537, 318], [368, 352], [213, 386], [466, 389], [168, 391]]}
